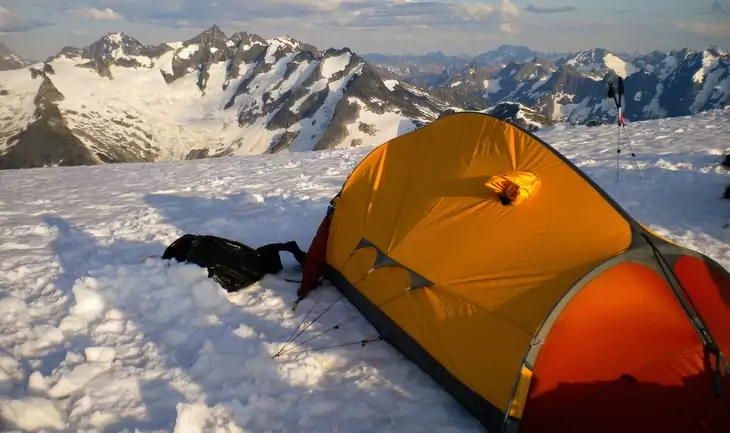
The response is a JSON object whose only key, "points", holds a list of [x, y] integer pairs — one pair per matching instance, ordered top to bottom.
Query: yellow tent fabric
{"points": [[464, 242], [493, 266]]}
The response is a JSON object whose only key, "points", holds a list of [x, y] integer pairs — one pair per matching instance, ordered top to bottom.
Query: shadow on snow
{"points": [[234, 368]]}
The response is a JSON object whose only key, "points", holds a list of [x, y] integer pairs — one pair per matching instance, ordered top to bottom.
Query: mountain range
{"points": [[571, 87], [118, 100]]}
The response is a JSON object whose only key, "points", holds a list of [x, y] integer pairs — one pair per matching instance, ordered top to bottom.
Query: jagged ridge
{"points": [[215, 95]]}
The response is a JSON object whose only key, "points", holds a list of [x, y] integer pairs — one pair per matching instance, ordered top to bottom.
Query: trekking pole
{"points": [[612, 94], [621, 124], [631, 148], [618, 151]]}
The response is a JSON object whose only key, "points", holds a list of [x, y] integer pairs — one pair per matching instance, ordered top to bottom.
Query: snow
{"points": [[116, 37], [187, 51], [709, 62], [334, 64], [594, 65], [669, 65], [620, 67], [303, 71], [540, 82], [390, 84], [711, 85], [492, 86], [17, 108], [654, 108], [571, 111], [385, 126], [312, 128], [99, 334], [32, 414]]}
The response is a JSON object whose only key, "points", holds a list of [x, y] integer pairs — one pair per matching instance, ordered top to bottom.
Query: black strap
{"points": [[271, 260]]}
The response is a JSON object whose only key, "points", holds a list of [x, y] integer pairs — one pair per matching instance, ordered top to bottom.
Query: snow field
{"points": [[97, 334]]}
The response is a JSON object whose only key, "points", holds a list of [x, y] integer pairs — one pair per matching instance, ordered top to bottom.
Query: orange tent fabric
{"points": [[521, 287]]}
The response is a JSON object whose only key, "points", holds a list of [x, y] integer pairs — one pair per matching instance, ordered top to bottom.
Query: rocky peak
{"points": [[213, 37], [245, 39], [297, 45], [113, 46], [715, 50], [68, 52], [200, 52], [504, 54], [9, 60]]}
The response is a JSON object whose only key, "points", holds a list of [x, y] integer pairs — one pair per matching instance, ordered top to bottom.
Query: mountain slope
{"points": [[10, 60], [212, 95], [522, 116], [99, 336]]}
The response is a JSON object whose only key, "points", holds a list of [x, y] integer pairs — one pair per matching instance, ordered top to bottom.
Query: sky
{"points": [[36, 29]]}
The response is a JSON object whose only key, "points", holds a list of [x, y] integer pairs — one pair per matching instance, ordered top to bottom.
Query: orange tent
{"points": [[515, 282]]}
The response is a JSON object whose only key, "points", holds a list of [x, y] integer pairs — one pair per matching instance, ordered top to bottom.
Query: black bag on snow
{"points": [[231, 264]]}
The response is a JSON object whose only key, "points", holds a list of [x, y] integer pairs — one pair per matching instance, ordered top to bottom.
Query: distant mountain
{"points": [[506, 54], [10, 60], [409, 65], [433, 69], [417, 70], [573, 87], [118, 100], [520, 115]]}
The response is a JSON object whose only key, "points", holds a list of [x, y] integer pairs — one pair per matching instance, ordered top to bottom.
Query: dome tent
{"points": [[523, 289]]}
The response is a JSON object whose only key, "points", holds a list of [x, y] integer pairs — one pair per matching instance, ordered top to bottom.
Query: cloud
{"points": [[508, 8], [719, 8], [539, 9], [473, 11], [306, 13], [96, 14], [379, 14], [6, 17], [508, 17], [13, 23], [508, 28], [704, 29]]}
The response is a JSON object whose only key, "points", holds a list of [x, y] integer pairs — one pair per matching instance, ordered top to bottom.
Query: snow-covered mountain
{"points": [[506, 54], [9, 60], [404, 65], [435, 69], [573, 88], [118, 100], [524, 117], [99, 335]]}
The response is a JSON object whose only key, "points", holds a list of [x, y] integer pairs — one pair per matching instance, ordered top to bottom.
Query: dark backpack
{"points": [[231, 264]]}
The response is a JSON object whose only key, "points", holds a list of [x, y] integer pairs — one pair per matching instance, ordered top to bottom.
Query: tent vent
{"points": [[513, 187]]}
